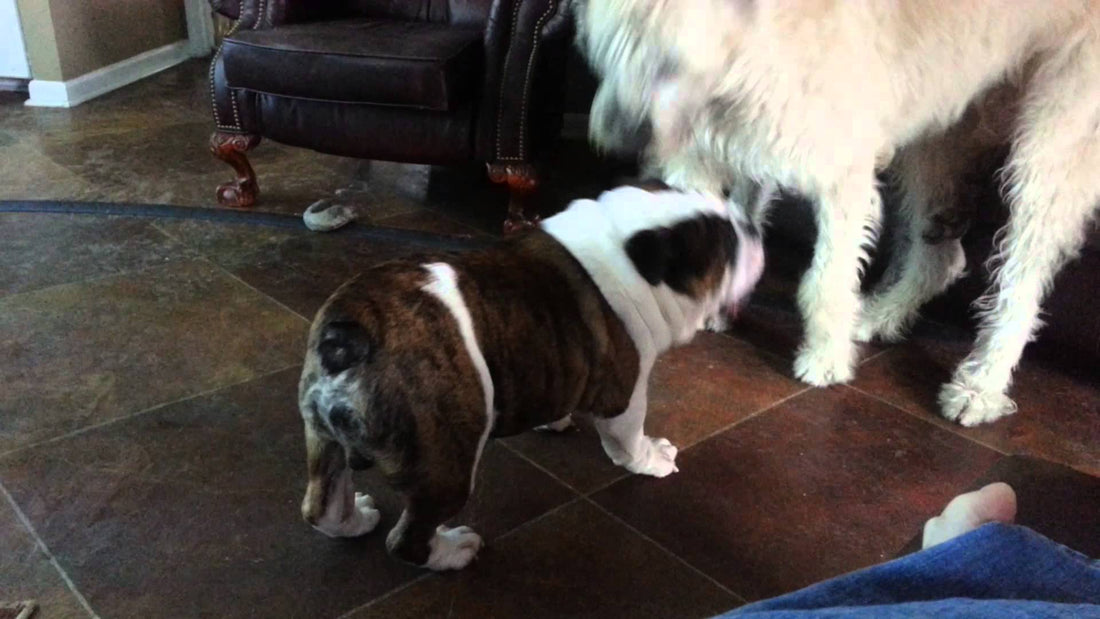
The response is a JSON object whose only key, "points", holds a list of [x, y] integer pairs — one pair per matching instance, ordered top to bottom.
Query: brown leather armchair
{"points": [[418, 81]]}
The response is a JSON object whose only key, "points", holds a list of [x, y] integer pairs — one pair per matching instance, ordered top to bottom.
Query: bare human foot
{"points": [[966, 512]]}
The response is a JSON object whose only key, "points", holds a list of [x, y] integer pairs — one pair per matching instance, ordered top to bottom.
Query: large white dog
{"points": [[815, 95]]}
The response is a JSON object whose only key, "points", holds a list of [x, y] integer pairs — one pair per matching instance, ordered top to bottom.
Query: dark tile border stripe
{"points": [[439, 242]]}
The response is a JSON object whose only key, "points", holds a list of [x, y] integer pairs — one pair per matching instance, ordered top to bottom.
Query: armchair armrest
{"points": [[516, 37]]}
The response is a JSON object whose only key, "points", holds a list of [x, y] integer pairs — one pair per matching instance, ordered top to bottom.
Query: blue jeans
{"points": [[996, 570]]}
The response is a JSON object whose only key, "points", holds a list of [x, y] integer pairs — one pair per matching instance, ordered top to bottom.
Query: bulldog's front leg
{"points": [[625, 441], [331, 504]]}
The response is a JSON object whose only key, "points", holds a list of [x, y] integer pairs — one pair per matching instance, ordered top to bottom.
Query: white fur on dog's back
{"points": [[793, 70], [596, 232], [443, 285]]}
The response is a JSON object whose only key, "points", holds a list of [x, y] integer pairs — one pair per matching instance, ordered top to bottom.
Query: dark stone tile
{"points": [[128, 108], [171, 164], [25, 174], [424, 220], [45, 249], [299, 268], [81, 354], [695, 391], [1059, 407], [574, 456], [825, 483], [508, 492], [1052, 499], [193, 510], [576, 562], [26, 572]]}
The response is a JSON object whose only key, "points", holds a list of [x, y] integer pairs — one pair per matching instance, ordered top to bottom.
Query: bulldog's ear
{"points": [[649, 251], [685, 256]]}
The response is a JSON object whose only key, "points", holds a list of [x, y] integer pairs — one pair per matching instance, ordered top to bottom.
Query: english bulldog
{"points": [[413, 364]]}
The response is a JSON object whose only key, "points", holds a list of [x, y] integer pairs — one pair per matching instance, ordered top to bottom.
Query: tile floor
{"points": [[150, 452]]}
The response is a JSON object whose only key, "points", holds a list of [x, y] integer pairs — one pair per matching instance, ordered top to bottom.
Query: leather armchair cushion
{"points": [[384, 62]]}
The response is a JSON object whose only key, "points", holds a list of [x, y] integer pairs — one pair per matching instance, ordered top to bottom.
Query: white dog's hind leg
{"points": [[1052, 191], [848, 217], [925, 262], [625, 441]]}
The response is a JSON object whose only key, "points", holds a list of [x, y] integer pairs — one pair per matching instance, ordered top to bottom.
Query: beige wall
{"points": [[38, 37], [68, 38]]}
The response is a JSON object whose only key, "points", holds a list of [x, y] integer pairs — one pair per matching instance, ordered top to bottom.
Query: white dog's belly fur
{"points": [[815, 97]]}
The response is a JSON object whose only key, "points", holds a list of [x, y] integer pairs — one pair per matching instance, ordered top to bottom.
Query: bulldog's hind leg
{"points": [[625, 442], [435, 491], [331, 504]]}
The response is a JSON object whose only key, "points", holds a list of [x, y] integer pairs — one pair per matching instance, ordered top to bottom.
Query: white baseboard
{"points": [[90, 85]]}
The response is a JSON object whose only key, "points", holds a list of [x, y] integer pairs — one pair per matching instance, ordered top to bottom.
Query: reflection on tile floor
{"points": [[151, 456]]}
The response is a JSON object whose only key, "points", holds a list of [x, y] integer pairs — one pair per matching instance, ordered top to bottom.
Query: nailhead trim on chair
{"points": [[526, 84], [236, 126]]}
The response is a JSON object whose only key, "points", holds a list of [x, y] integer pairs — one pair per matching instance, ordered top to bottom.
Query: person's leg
{"points": [[988, 562]]}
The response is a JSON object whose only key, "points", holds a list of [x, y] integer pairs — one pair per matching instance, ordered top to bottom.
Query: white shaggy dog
{"points": [[815, 95]]}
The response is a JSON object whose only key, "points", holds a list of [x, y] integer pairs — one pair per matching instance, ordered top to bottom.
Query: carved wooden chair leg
{"points": [[522, 180], [241, 192]]}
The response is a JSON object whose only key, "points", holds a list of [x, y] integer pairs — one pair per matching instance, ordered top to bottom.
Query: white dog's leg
{"points": [[1052, 191], [848, 217], [927, 258], [625, 442]]}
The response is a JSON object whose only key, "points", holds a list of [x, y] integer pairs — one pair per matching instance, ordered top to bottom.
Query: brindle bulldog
{"points": [[414, 364]]}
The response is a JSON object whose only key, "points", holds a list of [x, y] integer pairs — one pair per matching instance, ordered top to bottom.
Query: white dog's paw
{"points": [[717, 323], [822, 366], [970, 407], [561, 425], [658, 458], [362, 520], [452, 549]]}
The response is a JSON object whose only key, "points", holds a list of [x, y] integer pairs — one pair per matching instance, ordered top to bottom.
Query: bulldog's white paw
{"points": [[825, 365], [969, 407], [658, 458], [363, 519], [452, 549]]}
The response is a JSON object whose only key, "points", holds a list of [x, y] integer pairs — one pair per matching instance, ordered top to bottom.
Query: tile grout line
{"points": [[205, 258], [100, 278], [308, 321], [763, 410], [141, 412], [930, 422], [523, 456], [523, 525], [665, 550], [46, 551], [392, 592]]}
